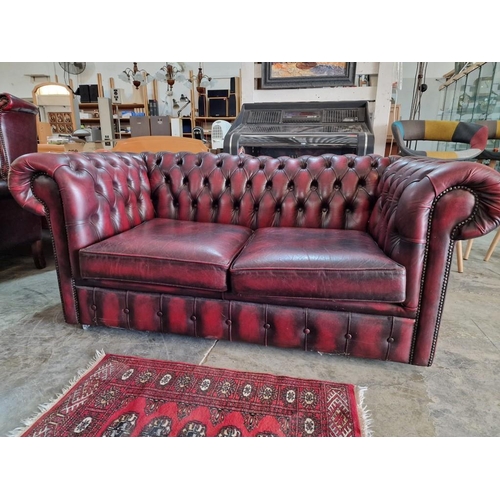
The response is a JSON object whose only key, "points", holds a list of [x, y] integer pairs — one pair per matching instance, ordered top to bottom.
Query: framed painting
{"points": [[298, 75]]}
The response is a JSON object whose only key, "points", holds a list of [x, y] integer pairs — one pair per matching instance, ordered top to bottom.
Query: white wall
{"points": [[14, 79], [431, 97]]}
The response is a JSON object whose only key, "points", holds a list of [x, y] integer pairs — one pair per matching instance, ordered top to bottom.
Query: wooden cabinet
{"points": [[89, 114]]}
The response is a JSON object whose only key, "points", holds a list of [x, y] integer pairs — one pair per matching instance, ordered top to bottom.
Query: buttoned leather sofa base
{"points": [[344, 254]]}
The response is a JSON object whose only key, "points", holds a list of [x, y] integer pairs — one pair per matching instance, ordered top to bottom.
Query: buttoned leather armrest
{"points": [[89, 183], [410, 189], [86, 197], [423, 206]]}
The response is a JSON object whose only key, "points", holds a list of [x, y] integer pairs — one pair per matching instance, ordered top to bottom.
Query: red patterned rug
{"points": [[130, 396]]}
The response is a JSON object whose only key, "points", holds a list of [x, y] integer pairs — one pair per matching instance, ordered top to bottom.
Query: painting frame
{"points": [[340, 75]]}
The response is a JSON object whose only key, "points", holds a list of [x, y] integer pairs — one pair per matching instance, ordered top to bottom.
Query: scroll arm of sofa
{"points": [[9, 102], [24, 170], [480, 181], [410, 188]]}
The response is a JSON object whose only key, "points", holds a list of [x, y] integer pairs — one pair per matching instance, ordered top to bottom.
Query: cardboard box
{"points": [[160, 125], [140, 126], [93, 146], [74, 147]]}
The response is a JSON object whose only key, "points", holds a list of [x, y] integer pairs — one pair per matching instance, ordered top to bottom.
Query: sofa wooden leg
{"points": [[492, 246], [468, 249], [37, 252], [460, 259]]}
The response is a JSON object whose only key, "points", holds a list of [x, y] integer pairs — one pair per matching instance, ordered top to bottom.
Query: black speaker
{"points": [[232, 87], [84, 91], [217, 93], [94, 94], [116, 96], [202, 105], [231, 105], [217, 106], [186, 125]]}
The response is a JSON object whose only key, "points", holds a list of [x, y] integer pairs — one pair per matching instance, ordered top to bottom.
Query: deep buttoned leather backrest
{"points": [[17, 130], [328, 191], [103, 194]]}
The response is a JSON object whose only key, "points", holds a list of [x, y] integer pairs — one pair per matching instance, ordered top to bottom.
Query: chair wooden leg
{"points": [[492, 246], [468, 249], [37, 252], [460, 259]]}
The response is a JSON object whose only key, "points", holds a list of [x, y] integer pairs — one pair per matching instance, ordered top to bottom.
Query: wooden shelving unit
{"points": [[92, 109], [206, 121], [124, 122], [121, 124]]}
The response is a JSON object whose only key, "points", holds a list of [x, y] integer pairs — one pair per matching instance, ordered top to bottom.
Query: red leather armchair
{"points": [[17, 137]]}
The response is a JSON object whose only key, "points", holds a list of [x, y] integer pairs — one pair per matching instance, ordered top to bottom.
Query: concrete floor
{"points": [[457, 396]]}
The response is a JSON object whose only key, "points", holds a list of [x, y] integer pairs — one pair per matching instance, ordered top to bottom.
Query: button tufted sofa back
{"points": [[122, 190], [327, 191], [100, 195]]}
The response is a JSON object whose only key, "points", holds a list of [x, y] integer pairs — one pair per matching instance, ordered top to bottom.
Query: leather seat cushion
{"points": [[168, 252], [318, 263]]}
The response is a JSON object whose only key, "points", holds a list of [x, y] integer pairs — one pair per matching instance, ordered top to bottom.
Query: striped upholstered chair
{"points": [[473, 135], [491, 154]]}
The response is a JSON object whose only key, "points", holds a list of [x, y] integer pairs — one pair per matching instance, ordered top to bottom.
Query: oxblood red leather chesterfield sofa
{"points": [[336, 254]]}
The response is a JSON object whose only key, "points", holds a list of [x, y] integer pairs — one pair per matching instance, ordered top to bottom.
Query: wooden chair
{"points": [[156, 143]]}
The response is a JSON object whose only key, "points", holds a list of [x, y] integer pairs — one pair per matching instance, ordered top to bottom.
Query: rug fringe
{"points": [[43, 408], [365, 414]]}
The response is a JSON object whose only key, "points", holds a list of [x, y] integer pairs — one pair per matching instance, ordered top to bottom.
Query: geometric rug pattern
{"points": [[127, 396]]}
